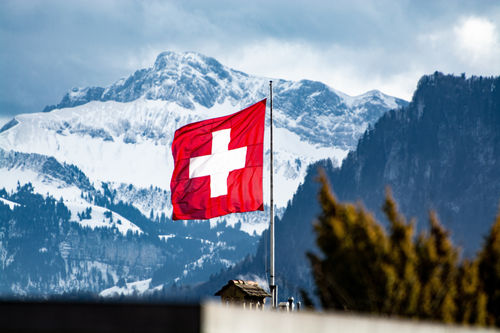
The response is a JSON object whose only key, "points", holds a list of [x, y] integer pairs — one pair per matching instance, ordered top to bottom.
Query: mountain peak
{"points": [[172, 57], [176, 61], [182, 77], [189, 79], [373, 92]]}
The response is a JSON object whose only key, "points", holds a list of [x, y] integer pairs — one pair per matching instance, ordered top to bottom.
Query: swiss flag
{"points": [[218, 165]]}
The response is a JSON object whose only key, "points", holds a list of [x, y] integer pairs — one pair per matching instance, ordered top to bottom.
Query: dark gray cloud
{"points": [[50, 46]]}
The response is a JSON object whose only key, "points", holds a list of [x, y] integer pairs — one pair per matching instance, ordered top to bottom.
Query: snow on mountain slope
{"points": [[122, 134], [118, 151], [48, 176], [9, 203], [101, 218], [130, 289]]}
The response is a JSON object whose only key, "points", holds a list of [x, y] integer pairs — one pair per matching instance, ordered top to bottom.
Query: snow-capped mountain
{"points": [[195, 82], [122, 134], [106, 153]]}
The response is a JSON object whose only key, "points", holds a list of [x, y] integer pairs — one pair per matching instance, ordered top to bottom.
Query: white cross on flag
{"points": [[218, 165]]}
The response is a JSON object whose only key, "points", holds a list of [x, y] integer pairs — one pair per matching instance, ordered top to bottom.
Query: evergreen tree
{"points": [[363, 268], [438, 270], [489, 270], [351, 273], [404, 286], [471, 299]]}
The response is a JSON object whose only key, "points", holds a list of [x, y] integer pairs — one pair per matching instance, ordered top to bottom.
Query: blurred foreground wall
{"points": [[206, 318], [216, 318]]}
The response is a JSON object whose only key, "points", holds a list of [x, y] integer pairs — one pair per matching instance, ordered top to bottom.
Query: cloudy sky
{"points": [[48, 47]]}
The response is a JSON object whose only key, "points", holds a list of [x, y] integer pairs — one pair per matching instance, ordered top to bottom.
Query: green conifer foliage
{"points": [[363, 268], [438, 270], [489, 271], [351, 274], [404, 287], [471, 300]]}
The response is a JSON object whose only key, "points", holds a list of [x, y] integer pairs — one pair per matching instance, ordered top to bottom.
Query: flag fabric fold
{"points": [[218, 165]]}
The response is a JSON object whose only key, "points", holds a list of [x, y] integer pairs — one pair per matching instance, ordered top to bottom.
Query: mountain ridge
{"points": [[157, 83]]}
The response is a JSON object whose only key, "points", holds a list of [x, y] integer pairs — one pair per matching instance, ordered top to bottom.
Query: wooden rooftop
{"points": [[250, 288]]}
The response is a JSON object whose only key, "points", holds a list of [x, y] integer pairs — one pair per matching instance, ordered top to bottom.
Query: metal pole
{"points": [[273, 288]]}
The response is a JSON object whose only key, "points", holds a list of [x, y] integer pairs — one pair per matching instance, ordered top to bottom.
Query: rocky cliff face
{"points": [[442, 152]]}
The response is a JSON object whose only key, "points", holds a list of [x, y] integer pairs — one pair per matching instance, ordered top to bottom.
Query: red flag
{"points": [[218, 165]]}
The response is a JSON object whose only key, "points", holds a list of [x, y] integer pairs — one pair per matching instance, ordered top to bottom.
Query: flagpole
{"points": [[273, 288]]}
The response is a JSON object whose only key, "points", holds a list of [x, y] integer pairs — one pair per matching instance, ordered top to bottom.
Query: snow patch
{"points": [[9, 203], [101, 218], [166, 237], [130, 289]]}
